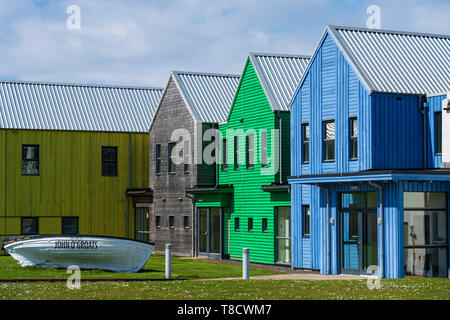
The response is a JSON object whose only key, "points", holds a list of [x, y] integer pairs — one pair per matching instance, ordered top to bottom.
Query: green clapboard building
{"points": [[74, 159], [250, 205]]}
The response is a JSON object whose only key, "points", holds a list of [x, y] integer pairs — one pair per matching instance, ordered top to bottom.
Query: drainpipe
{"points": [[423, 110], [280, 145], [6, 172], [131, 183], [193, 223], [381, 223], [328, 225]]}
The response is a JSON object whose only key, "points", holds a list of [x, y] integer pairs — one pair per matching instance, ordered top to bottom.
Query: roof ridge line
{"points": [[397, 32]]}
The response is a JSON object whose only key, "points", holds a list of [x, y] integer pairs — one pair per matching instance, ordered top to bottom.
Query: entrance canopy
{"points": [[375, 175]]}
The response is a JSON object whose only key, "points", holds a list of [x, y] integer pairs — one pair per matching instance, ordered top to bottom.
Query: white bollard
{"points": [[168, 261], [245, 264]]}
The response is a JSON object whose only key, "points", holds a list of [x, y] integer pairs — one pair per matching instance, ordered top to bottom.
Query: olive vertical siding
{"points": [[251, 112], [70, 181]]}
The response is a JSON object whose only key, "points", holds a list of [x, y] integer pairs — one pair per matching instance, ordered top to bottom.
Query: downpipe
{"points": [[381, 223], [193, 224], [328, 225]]}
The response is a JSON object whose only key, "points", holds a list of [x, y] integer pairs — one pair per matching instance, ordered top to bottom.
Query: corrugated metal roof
{"points": [[397, 62], [280, 75], [208, 96], [53, 106]]}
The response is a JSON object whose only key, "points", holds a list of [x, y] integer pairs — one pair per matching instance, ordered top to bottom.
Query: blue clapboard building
{"points": [[369, 189]]}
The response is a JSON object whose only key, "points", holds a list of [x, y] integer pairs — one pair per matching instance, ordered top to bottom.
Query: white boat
{"points": [[84, 251]]}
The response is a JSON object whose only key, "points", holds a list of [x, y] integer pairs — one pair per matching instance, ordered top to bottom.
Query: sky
{"points": [[139, 42]]}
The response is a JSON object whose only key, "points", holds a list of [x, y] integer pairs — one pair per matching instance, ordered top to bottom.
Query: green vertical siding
{"points": [[251, 110]]}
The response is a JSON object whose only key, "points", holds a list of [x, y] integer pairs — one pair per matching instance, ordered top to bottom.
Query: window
{"points": [[438, 132], [353, 134], [305, 140], [328, 140], [264, 149], [249, 151], [236, 153], [186, 156], [224, 156], [30, 159], [158, 159], [109, 161], [170, 163], [306, 220], [158, 222], [172, 222], [186, 223], [236, 224], [250, 224], [69, 225], [264, 225], [29, 226], [425, 235]]}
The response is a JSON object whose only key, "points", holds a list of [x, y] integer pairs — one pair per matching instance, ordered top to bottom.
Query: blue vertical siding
{"points": [[434, 104]]}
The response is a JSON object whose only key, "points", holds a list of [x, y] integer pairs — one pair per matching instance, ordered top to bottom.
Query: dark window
{"points": [[438, 132], [353, 134], [305, 139], [328, 140], [264, 149], [249, 151], [236, 153], [186, 156], [224, 156], [30, 159], [158, 159], [109, 161], [170, 164], [306, 220], [157, 222], [172, 222], [186, 223], [236, 224], [250, 224], [69, 225], [264, 225], [353, 225], [29, 226]]}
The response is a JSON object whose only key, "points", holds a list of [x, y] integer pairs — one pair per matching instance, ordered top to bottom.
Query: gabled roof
{"points": [[396, 62], [279, 75], [207, 95], [77, 107]]}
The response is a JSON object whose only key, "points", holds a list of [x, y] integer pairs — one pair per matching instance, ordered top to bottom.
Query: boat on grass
{"points": [[85, 251]]}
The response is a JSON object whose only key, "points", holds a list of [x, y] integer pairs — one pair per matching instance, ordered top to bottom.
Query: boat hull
{"points": [[86, 252]]}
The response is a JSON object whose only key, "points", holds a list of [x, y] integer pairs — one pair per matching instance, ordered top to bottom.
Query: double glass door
{"points": [[210, 224], [359, 241]]}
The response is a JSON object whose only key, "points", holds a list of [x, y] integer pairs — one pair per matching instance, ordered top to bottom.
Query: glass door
{"points": [[141, 224], [210, 234], [283, 235], [359, 241]]}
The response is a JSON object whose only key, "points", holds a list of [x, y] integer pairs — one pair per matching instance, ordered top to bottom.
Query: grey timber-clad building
{"points": [[191, 104]]}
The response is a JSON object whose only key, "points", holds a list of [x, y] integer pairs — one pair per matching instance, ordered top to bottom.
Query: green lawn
{"points": [[182, 268], [412, 288]]}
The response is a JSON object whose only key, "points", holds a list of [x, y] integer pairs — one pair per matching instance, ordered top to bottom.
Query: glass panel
{"points": [[354, 124], [329, 130], [329, 150], [30, 167], [359, 200], [434, 200], [142, 224], [69, 225], [203, 225], [29, 226], [425, 228], [215, 231], [283, 234], [350, 241], [370, 243], [284, 250], [426, 262]]}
